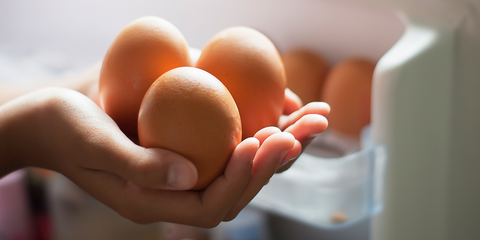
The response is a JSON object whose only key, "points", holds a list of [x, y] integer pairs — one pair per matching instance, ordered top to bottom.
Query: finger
{"points": [[291, 103], [319, 108], [307, 127], [304, 130], [266, 132], [90, 139], [112, 151], [292, 155], [266, 162], [286, 166], [161, 169], [233, 182], [145, 205], [198, 208]]}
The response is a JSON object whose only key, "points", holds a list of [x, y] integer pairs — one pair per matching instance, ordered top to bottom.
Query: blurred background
{"points": [[69, 36]]}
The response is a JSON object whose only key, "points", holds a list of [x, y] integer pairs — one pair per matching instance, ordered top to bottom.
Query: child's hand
{"points": [[303, 122], [63, 130]]}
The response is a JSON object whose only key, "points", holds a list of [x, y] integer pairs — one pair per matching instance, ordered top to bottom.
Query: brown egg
{"points": [[142, 51], [249, 65], [305, 72], [348, 90], [190, 112]]}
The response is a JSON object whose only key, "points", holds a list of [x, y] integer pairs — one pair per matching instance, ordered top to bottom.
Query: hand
{"points": [[304, 123], [63, 130], [86, 145]]}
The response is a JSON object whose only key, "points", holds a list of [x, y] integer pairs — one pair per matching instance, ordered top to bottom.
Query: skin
{"points": [[63, 129]]}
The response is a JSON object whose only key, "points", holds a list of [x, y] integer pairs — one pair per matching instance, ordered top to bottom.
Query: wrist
{"points": [[22, 141], [7, 162]]}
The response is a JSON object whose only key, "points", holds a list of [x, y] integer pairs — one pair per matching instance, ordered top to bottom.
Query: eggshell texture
{"points": [[142, 51], [249, 65], [305, 71], [348, 91], [190, 112]]}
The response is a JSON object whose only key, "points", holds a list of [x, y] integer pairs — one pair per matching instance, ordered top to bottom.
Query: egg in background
{"points": [[142, 51], [249, 65], [305, 72], [347, 90], [190, 112]]}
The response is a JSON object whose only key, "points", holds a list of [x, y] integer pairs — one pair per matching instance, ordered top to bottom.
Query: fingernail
{"points": [[179, 176]]}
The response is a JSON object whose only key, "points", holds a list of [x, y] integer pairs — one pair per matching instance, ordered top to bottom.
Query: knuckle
{"points": [[50, 99], [140, 168], [148, 173], [210, 219]]}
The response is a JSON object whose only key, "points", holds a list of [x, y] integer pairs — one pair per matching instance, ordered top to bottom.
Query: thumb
{"points": [[147, 167], [161, 169]]}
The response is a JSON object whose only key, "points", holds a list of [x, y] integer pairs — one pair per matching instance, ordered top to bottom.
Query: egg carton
{"points": [[326, 188]]}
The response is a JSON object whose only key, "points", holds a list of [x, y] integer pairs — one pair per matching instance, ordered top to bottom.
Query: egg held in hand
{"points": [[142, 51], [249, 65], [347, 90], [190, 112]]}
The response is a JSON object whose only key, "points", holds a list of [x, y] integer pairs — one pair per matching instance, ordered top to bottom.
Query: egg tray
{"points": [[326, 192]]}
